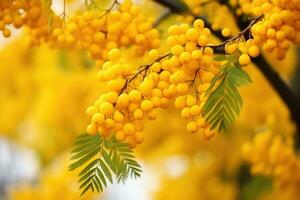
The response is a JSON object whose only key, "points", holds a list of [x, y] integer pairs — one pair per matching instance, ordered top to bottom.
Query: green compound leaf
{"points": [[224, 103], [86, 147], [102, 160]]}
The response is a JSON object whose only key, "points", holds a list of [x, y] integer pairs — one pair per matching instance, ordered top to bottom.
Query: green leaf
{"points": [[220, 58], [239, 76], [224, 102], [85, 148], [103, 159], [127, 164], [106, 171], [101, 176], [90, 186], [256, 187]]}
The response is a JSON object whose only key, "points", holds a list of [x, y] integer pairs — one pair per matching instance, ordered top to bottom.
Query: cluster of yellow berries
{"points": [[18, 13], [279, 27], [40, 32], [98, 32], [245, 50], [192, 72], [136, 94], [273, 155]]}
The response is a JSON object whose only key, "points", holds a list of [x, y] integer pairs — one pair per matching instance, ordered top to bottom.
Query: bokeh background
{"points": [[44, 93]]}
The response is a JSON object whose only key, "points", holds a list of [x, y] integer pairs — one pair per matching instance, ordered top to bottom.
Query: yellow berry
{"points": [[199, 24], [72, 27], [226, 32], [6, 33], [271, 33], [192, 34], [280, 35], [203, 40], [231, 48], [94, 49], [177, 50], [254, 51], [114, 54], [153, 54], [196, 54], [185, 57], [244, 59], [156, 67], [146, 86], [182, 88], [135, 96], [112, 97], [123, 100], [190, 100], [180, 102], [146, 105], [106, 108], [195, 110], [90, 111], [185, 113], [138, 114], [152, 114], [118, 116], [98, 118], [109, 123], [202, 123], [192, 127], [92, 129], [128, 129], [208, 134], [120, 136], [138, 137]]}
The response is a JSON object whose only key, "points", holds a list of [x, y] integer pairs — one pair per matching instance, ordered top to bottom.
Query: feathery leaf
{"points": [[224, 103]]}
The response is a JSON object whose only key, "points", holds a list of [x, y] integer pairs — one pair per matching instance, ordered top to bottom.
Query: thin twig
{"points": [[115, 3], [64, 14], [239, 35], [143, 68], [194, 83]]}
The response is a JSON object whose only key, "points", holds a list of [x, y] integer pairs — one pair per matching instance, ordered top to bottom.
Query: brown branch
{"points": [[283, 90]]}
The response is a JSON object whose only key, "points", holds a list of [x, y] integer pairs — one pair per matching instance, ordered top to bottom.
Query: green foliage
{"points": [[224, 103], [102, 160], [256, 187]]}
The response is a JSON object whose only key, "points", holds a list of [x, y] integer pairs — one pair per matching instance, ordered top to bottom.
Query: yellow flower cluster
{"points": [[18, 13], [279, 27], [98, 32], [275, 32], [193, 73], [136, 94], [273, 155]]}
